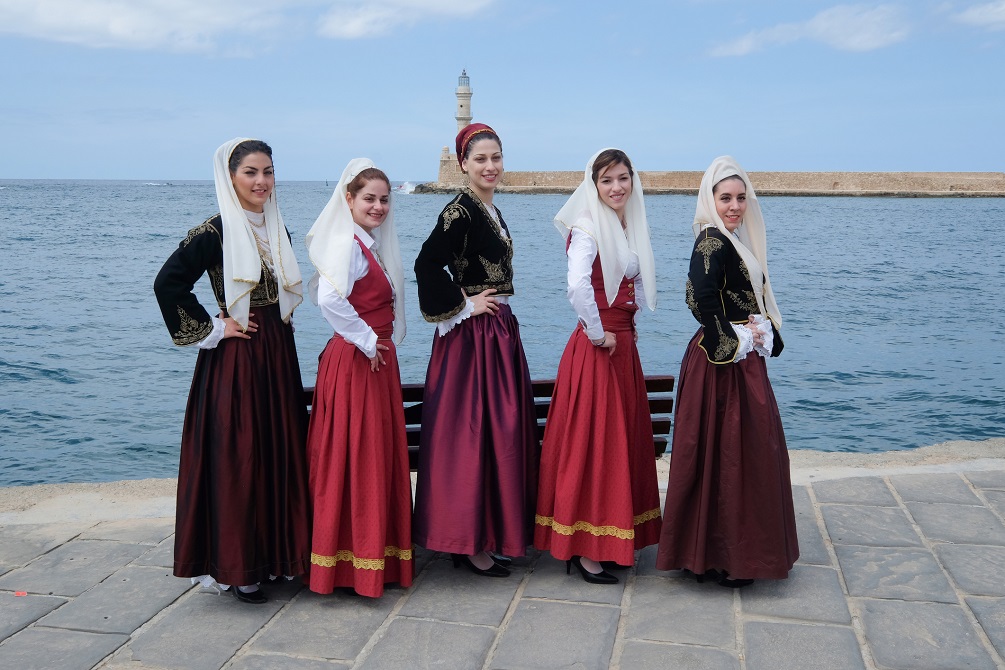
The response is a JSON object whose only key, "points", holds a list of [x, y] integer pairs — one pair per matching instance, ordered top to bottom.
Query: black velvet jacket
{"points": [[472, 245], [201, 251], [719, 293]]}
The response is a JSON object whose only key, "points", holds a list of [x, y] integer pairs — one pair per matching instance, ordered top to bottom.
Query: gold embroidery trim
{"points": [[451, 213], [707, 247], [493, 271], [191, 331], [597, 531], [346, 555]]}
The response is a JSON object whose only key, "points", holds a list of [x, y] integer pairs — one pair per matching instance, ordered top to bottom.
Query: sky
{"points": [[147, 89]]}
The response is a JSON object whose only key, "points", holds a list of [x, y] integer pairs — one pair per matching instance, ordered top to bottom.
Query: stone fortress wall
{"points": [[903, 184]]}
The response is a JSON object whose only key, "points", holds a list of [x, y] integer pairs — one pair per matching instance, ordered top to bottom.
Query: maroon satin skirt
{"points": [[477, 477], [729, 498], [243, 507]]}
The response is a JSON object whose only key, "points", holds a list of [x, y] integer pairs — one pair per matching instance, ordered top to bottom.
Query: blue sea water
{"points": [[893, 321]]}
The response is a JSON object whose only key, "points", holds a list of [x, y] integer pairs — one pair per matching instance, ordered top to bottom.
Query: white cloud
{"points": [[990, 15], [353, 20], [203, 25], [843, 27]]}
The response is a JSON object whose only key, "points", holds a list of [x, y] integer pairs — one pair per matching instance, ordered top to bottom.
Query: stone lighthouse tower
{"points": [[463, 100]]}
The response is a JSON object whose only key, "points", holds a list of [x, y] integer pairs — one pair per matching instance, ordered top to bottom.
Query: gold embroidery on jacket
{"points": [[453, 212], [203, 227], [707, 248], [494, 271], [744, 300], [190, 331], [727, 344]]}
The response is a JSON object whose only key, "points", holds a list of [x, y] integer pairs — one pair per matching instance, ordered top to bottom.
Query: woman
{"points": [[477, 459], [359, 478], [598, 500], [729, 509], [243, 512]]}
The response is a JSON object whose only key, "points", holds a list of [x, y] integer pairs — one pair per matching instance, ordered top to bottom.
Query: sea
{"points": [[893, 318]]}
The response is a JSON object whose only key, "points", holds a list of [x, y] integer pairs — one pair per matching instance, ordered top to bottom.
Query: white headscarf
{"points": [[585, 210], [330, 241], [752, 244], [242, 265]]}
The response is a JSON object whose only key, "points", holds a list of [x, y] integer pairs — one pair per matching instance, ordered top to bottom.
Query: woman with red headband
{"points": [[477, 466]]}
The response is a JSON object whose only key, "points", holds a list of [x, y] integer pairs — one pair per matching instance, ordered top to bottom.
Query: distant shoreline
{"points": [[854, 184]]}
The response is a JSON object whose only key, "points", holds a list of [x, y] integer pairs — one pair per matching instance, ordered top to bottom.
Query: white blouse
{"points": [[582, 253]]}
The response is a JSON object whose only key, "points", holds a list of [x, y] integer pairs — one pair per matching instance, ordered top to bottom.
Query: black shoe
{"points": [[504, 561], [612, 565], [495, 571], [711, 574], [602, 577], [724, 580], [254, 597]]}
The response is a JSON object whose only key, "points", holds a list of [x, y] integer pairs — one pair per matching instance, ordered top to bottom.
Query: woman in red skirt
{"points": [[359, 478], [598, 499], [729, 512]]}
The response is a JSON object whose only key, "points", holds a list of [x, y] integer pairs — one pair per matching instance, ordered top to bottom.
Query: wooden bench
{"points": [[658, 387]]}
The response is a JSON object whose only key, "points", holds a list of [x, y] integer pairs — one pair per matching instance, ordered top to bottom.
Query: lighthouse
{"points": [[463, 100]]}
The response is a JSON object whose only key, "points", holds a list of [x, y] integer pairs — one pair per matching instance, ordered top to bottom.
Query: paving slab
{"points": [[987, 479], [934, 488], [855, 491], [997, 501], [962, 524], [869, 526], [135, 531], [811, 543], [19, 544], [161, 555], [645, 564], [71, 568], [978, 570], [894, 573], [550, 581], [811, 593], [448, 594], [121, 603], [681, 610], [16, 612], [990, 613], [333, 626], [201, 632], [545, 635], [935, 636], [415, 644], [783, 646], [48, 648], [657, 656], [283, 662]]}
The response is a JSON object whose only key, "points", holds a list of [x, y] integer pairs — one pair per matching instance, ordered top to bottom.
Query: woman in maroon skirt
{"points": [[477, 460], [359, 479], [598, 500], [243, 511], [729, 512]]}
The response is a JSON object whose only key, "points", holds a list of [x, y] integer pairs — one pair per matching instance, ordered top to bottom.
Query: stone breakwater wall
{"points": [[902, 184]]}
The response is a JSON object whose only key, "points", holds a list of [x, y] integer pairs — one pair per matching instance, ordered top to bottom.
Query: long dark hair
{"points": [[246, 148]]}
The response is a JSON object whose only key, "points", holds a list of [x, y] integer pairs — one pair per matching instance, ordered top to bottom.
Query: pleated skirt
{"points": [[243, 510]]}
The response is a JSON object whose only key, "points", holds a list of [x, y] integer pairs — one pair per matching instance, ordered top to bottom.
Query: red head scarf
{"points": [[467, 133]]}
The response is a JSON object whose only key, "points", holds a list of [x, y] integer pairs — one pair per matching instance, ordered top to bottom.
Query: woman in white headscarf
{"points": [[359, 476], [598, 498], [243, 511], [729, 513]]}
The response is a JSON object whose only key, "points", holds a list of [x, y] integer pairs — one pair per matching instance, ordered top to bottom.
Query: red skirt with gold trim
{"points": [[359, 477], [598, 495]]}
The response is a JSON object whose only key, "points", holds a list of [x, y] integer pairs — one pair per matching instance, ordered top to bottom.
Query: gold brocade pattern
{"points": [[453, 212], [199, 230], [707, 247], [494, 271], [744, 300], [692, 303], [446, 315], [190, 330], [727, 344], [640, 519], [586, 527], [346, 555]]}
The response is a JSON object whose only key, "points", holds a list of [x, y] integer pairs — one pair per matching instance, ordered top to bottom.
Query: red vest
{"points": [[373, 298]]}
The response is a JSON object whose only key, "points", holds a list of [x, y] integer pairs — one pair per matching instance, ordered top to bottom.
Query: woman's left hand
{"points": [[377, 360]]}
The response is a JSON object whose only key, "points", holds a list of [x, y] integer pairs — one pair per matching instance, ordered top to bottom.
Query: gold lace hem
{"points": [[359, 563]]}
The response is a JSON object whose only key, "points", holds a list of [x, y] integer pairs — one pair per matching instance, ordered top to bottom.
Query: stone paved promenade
{"points": [[899, 570]]}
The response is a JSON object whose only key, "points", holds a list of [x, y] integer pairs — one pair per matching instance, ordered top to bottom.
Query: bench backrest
{"points": [[658, 387]]}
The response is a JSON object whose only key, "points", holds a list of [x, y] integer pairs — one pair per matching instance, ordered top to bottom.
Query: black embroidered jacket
{"points": [[472, 245], [201, 251], [719, 293]]}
